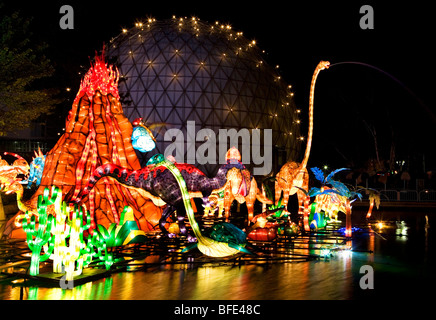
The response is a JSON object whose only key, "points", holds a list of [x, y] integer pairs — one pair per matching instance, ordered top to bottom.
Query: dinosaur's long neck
{"points": [[310, 131], [185, 196], [21, 206], [205, 244]]}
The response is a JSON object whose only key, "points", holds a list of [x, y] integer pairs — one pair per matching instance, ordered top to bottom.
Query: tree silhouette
{"points": [[23, 66]]}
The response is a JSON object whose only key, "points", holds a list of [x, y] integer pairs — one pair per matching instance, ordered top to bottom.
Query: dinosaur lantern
{"points": [[97, 133], [36, 169], [9, 173], [293, 176], [11, 182], [157, 183], [240, 186], [331, 203], [223, 239]]}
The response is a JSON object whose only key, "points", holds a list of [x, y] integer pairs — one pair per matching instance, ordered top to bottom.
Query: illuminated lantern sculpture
{"points": [[97, 132], [142, 138], [19, 166], [36, 169], [293, 176], [9, 178], [154, 181], [11, 183], [240, 186], [333, 198], [374, 199], [214, 203], [331, 203], [318, 219], [267, 225], [290, 230], [124, 233], [267, 233], [40, 236], [61, 236], [224, 238], [72, 254]]}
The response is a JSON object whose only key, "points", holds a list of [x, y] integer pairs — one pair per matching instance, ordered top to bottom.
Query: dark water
{"points": [[402, 260]]}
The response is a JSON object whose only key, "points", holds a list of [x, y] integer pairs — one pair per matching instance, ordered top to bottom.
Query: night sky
{"points": [[350, 98]]}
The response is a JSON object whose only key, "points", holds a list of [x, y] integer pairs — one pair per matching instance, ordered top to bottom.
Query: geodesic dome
{"points": [[183, 69]]}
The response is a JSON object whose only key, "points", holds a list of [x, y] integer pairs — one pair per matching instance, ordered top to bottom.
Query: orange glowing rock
{"points": [[97, 132]]}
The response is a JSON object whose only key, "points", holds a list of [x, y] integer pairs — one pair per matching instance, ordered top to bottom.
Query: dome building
{"points": [[193, 82]]}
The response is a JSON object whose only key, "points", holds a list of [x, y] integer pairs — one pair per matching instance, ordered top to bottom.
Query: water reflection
{"points": [[401, 230], [396, 253], [297, 280]]}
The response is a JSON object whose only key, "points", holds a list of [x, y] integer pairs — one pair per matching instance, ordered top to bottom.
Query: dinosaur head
{"points": [[323, 65], [233, 155], [22, 166], [14, 187]]}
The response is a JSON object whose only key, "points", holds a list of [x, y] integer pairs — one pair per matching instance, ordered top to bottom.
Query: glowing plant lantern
{"points": [[374, 199], [60, 232], [126, 232], [38, 237], [96, 241], [96, 248], [73, 255]]}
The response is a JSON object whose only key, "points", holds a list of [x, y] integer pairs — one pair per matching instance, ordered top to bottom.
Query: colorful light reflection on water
{"points": [[402, 260]]}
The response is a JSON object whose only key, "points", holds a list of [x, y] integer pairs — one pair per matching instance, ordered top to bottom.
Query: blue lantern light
{"points": [[142, 138]]}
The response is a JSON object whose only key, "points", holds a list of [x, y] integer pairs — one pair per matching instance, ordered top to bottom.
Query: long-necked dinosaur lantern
{"points": [[293, 176]]}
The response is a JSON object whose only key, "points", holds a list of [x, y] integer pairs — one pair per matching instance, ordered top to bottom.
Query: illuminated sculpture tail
{"points": [[126, 177]]}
